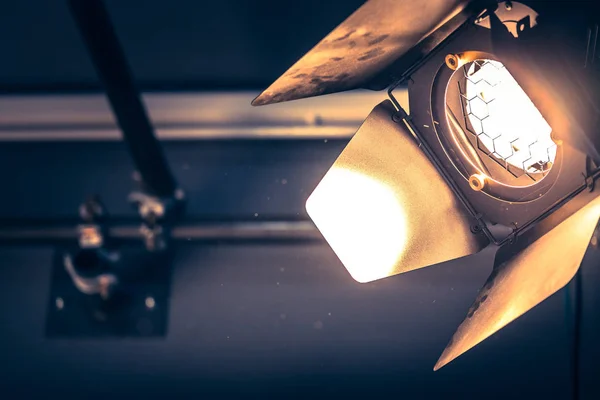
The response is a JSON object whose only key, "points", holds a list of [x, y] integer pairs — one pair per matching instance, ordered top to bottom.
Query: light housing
{"points": [[497, 149], [380, 203]]}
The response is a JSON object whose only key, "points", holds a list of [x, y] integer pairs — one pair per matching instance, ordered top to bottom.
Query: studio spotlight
{"points": [[497, 147]]}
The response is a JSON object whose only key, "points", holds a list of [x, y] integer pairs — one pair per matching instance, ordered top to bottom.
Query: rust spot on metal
{"points": [[346, 36], [378, 39], [371, 54]]}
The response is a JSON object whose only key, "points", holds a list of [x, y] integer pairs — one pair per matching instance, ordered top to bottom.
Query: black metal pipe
{"points": [[94, 23], [233, 231]]}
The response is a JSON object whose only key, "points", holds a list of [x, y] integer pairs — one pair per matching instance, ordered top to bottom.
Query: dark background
{"points": [[180, 44], [189, 44], [281, 320]]}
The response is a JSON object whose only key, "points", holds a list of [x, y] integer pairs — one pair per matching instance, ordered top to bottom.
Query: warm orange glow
{"points": [[506, 121], [362, 220], [529, 277]]}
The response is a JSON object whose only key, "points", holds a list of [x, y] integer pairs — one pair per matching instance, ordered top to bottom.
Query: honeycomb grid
{"points": [[525, 152]]}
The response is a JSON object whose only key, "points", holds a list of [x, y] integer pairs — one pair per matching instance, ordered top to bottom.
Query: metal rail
{"points": [[186, 116]]}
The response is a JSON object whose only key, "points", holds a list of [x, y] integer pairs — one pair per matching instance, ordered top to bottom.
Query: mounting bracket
{"points": [[100, 288]]}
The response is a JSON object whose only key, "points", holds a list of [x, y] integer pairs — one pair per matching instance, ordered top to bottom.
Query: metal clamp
{"points": [[590, 181], [156, 214], [91, 232], [102, 284]]}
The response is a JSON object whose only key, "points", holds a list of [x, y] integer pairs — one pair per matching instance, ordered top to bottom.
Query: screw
{"points": [[508, 5], [452, 61], [556, 139], [477, 182], [60, 303], [150, 303]]}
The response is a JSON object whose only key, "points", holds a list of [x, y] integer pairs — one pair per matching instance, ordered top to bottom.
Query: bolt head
{"points": [[150, 303]]}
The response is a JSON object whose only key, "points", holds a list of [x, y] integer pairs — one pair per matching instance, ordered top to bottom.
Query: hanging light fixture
{"points": [[496, 148]]}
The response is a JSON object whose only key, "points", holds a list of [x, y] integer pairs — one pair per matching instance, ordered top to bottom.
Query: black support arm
{"points": [[94, 23]]}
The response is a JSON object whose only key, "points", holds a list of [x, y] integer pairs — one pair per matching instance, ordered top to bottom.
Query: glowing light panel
{"points": [[505, 120], [362, 220]]}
